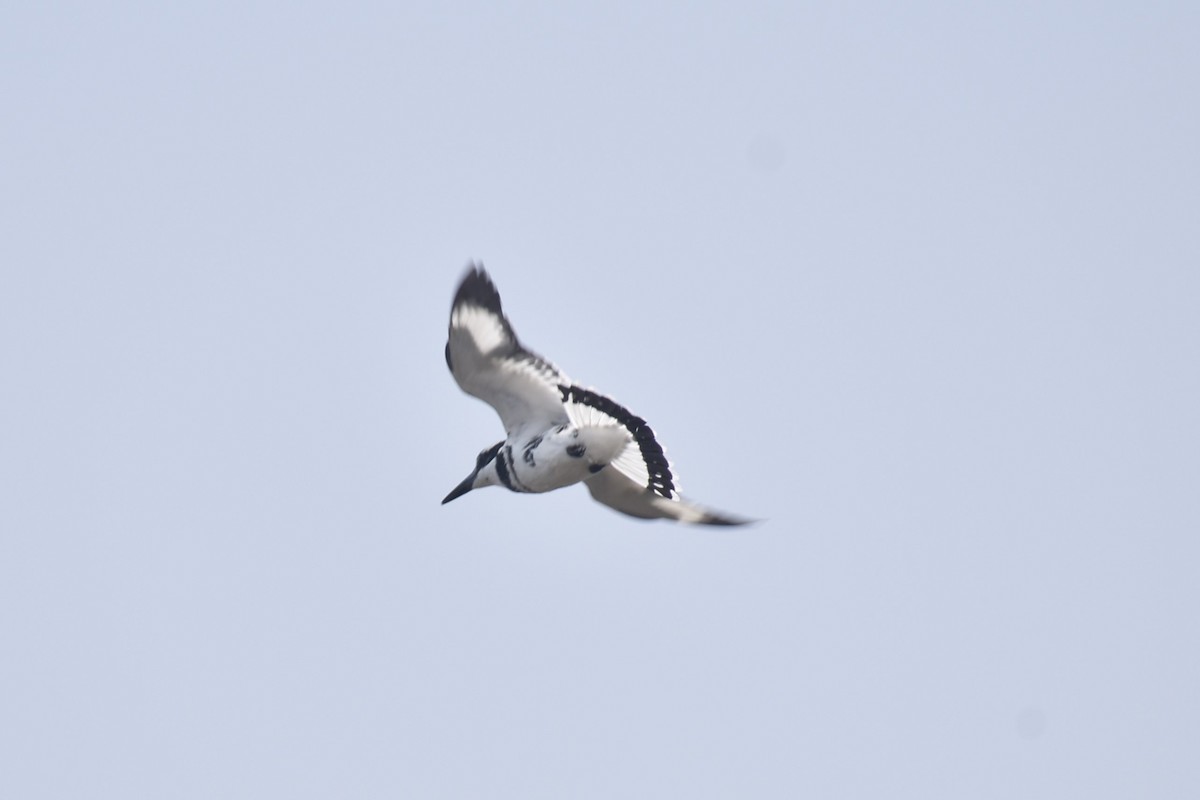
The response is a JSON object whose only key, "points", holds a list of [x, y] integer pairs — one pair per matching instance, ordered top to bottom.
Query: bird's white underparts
{"points": [[557, 432]]}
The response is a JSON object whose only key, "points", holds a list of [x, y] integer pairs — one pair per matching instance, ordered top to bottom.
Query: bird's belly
{"points": [[561, 457], [546, 468]]}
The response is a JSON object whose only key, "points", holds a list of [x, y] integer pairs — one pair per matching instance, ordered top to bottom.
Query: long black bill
{"points": [[461, 489]]}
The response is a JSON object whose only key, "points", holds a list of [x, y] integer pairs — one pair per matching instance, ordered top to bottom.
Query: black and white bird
{"points": [[557, 432]]}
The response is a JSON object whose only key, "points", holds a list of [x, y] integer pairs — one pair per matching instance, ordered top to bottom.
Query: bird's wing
{"points": [[488, 361], [642, 461], [639, 481], [618, 491]]}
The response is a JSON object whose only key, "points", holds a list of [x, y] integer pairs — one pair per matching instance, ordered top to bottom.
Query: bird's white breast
{"points": [[562, 456]]}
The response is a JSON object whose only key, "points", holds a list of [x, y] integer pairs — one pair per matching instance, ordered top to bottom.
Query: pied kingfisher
{"points": [[558, 433]]}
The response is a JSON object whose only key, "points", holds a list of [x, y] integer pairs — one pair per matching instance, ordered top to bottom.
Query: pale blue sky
{"points": [[919, 285]]}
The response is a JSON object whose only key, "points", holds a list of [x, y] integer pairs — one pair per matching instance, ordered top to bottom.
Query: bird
{"points": [[557, 432]]}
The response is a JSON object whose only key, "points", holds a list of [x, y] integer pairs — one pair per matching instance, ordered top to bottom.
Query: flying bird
{"points": [[557, 432]]}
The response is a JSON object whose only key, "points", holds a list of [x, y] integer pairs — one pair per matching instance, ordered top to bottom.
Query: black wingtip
{"points": [[477, 289], [717, 519]]}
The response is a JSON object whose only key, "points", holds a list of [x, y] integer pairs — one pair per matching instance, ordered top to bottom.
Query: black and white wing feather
{"points": [[487, 360], [643, 460], [640, 481]]}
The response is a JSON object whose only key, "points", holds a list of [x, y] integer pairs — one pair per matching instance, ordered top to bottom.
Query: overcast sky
{"points": [[918, 284]]}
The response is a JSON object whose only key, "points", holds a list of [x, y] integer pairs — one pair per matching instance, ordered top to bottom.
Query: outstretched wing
{"points": [[488, 362], [643, 460], [640, 481]]}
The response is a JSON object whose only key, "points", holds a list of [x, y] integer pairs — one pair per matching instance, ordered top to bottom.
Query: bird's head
{"points": [[484, 473]]}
